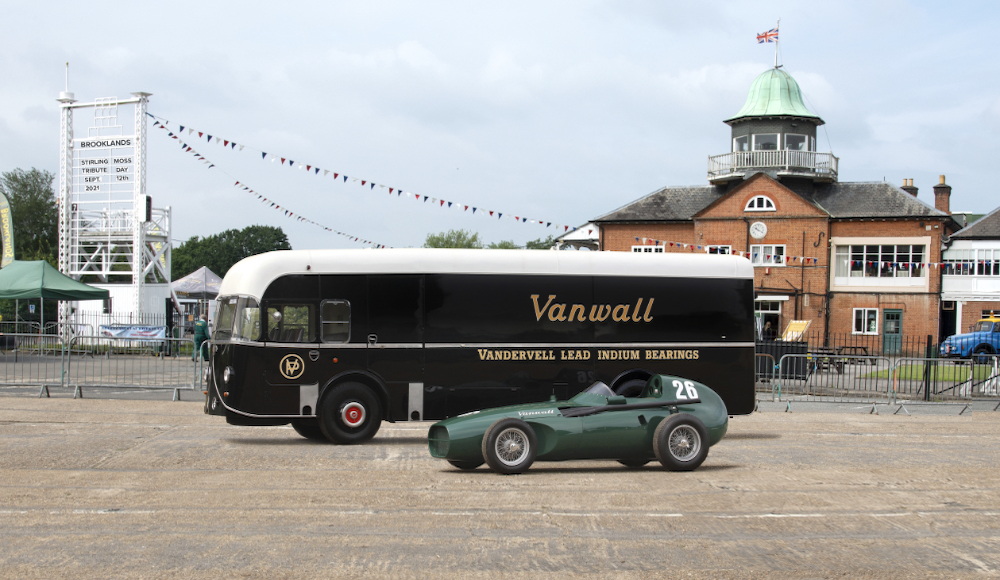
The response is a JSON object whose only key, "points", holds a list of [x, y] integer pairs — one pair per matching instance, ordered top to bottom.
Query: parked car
{"points": [[981, 343], [673, 420]]}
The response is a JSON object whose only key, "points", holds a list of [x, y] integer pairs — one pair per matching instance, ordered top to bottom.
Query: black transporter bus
{"points": [[336, 341]]}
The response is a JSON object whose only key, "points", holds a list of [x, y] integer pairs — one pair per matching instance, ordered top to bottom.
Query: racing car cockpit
{"points": [[600, 388]]}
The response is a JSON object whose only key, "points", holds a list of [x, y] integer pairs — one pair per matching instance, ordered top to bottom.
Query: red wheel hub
{"points": [[353, 414]]}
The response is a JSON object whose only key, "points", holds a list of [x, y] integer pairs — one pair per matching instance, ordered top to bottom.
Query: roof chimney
{"points": [[908, 187], [942, 196]]}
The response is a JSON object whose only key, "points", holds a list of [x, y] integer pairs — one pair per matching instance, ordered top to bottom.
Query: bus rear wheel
{"points": [[350, 413], [308, 429]]}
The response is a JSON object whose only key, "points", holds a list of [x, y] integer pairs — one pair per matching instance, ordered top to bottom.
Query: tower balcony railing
{"points": [[785, 161]]}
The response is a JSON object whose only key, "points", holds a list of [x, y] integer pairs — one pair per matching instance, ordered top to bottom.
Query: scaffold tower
{"points": [[109, 233]]}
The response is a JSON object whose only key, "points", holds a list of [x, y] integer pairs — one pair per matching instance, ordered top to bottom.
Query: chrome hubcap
{"points": [[353, 414], [684, 443], [511, 446]]}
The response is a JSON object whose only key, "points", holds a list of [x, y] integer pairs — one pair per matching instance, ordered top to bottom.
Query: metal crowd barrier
{"points": [[30, 359], [46, 360], [160, 363], [764, 369], [833, 378], [943, 380]]}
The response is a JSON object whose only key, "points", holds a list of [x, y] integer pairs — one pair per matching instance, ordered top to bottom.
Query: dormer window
{"points": [[765, 142], [760, 203]]}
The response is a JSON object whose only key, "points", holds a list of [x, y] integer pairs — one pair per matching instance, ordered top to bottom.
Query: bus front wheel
{"points": [[350, 413]]}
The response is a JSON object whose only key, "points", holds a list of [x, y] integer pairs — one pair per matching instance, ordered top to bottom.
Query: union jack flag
{"points": [[769, 36]]}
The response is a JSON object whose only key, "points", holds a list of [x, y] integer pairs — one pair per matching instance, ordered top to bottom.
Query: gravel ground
{"points": [[137, 486]]}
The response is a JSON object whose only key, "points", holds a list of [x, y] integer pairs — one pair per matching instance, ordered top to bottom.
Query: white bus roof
{"points": [[251, 276]]}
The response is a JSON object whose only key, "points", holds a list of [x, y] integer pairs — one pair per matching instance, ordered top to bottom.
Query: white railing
{"points": [[824, 164]]}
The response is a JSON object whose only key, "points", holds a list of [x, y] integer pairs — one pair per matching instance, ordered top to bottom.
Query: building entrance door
{"points": [[892, 331]]}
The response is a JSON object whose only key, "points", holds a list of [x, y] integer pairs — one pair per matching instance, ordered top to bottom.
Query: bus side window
{"points": [[336, 315], [290, 323]]}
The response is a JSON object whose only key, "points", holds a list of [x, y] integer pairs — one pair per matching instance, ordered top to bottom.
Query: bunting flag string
{"points": [[162, 123], [270, 202], [770, 259], [775, 259]]}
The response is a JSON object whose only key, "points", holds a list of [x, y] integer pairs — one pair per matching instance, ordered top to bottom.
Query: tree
{"points": [[34, 213], [454, 239], [541, 244], [503, 245], [220, 251]]}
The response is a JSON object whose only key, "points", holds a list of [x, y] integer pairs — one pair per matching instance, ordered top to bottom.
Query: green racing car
{"points": [[673, 420]]}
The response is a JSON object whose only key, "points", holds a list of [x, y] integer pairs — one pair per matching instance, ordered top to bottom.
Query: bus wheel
{"points": [[350, 413], [309, 430], [681, 442]]}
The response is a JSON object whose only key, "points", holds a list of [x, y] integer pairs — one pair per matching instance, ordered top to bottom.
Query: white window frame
{"points": [[735, 139], [777, 141], [805, 143], [812, 144], [768, 204], [647, 249], [719, 249], [758, 255], [971, 262], [864, 319]]}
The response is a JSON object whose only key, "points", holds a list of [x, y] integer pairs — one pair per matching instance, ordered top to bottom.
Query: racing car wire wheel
{"points": [[349, 413], [680, 442], [509, 446]]}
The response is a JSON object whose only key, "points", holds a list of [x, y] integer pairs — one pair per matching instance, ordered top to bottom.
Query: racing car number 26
{"points": [[685, 390]]}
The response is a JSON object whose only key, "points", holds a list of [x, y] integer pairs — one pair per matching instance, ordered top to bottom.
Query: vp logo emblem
{"points": [[291, 366]]}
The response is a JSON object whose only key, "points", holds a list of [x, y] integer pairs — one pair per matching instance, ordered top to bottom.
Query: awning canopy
{"points": [[38, 279], [202, 283]]}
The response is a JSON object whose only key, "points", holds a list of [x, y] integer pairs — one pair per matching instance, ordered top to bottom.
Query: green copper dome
{"points": [[774, 93]]}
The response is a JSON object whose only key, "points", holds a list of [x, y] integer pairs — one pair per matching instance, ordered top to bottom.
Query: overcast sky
{"points": [[555, 111]]}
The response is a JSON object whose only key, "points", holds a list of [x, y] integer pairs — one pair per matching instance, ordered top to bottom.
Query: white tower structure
{"points": [[108, 229]]}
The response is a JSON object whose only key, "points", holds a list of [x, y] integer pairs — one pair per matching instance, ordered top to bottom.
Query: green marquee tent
{"points": [[20, 280]]}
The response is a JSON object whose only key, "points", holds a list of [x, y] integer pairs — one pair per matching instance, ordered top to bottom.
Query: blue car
{"points": [[983, 341]]}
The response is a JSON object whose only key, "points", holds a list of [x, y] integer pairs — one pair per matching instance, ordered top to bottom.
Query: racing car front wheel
{"points": [[681, 442], [509, 446]]}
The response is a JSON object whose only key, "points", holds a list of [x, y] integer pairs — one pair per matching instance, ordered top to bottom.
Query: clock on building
{"points": [[758, 230]]}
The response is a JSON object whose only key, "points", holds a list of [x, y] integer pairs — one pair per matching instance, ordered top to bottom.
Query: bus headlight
{"points": [[227, 374]]}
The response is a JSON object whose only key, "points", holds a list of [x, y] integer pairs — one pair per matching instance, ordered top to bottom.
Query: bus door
{"points": [[395, 339]]}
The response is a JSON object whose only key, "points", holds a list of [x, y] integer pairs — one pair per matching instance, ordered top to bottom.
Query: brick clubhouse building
{"points": [[855, 258]]}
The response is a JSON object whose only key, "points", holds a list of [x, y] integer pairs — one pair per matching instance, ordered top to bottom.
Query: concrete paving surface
{"points": [[124, 488]]}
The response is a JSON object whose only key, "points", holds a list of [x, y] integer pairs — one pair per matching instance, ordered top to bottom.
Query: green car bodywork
{"points": [[591, 425]]}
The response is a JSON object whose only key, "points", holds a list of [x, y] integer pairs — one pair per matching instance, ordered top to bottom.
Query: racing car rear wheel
{"points": [[631, 388], [349, 413], [681, 442], [509, 446], [465, 465]]}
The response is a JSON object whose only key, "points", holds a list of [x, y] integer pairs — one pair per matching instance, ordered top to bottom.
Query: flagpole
{"points": [[776, 28]]}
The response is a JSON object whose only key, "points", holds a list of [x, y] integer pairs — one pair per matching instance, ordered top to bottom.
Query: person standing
{"points": [[200, 336]]}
